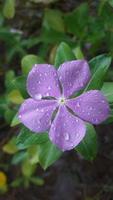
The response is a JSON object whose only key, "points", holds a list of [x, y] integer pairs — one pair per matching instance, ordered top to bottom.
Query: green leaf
{"points": [[110, 2], [9, 8], [53, 20], [77, 20], [63, 53], [78, 53], [28, 62], [99, 66], [8, 77], [18, 83], [107, 90], [15, 97], [9, 114], [110, 118], [15, 121], [27, 138], [10, 147], [88, 147], [33, 154], [48, 154], [19, 157], [27, 168], [37, 181]]}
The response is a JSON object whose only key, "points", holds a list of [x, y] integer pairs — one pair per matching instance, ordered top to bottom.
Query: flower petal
{"points": [[73, 75], [43, 81], [91, 106], [36, 115], [66, 130]]}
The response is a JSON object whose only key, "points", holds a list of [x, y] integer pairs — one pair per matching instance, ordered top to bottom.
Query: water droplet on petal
{"points": [[49, 88], [38, 96], [78, 104], [90, 108], [66, 136]]}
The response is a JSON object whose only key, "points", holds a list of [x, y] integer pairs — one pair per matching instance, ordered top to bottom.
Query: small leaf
{"points": [[9, 8], [53, 20], [77, 20], [63, 53], [78, 53], [28, 62], [99, 66], [8, 77], [19, 84], [107, 90], [15, 97], [9, 115], [110, 118], [15, 121], [27, 138], [88, 146], [10, 147], [33, 154], [48, 154], [19, 157], [27, 168], [37, 181]]}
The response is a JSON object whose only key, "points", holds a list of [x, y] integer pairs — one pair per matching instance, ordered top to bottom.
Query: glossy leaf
{"points": [[63, 53], [28, 62], [99, 67], [107, 90], [15, 121], [27, 138], [88, 147], [48, 154]]}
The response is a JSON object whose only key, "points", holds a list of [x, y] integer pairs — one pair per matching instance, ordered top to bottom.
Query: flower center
{"points": [[61, 100]]}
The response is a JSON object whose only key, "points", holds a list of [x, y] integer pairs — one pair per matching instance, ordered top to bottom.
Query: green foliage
{"points": [[9, 8], [77, 20], [63, 54], [28, 62], [99, 67], [107, 90], [26, 138], [88, 147], [48, 154]]}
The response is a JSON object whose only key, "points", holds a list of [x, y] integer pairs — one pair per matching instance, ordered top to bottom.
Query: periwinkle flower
{"points": [[52, 105]]}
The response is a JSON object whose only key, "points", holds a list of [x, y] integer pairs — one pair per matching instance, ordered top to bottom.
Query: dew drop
{"points": [[49, 88], [47, 94], [38, 96], [78, 104], [90, 108], [77, 120], [66, 136]]}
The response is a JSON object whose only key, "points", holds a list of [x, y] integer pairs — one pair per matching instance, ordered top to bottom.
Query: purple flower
{"points": [[51, 106]]}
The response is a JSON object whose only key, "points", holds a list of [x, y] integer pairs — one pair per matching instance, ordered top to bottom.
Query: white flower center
{"points": [[62, 101]]}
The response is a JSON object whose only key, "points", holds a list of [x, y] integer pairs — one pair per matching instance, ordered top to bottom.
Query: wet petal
{"points": [[73, 75], [43, 81], [91, 106], [36, 115], [66, 130]]}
